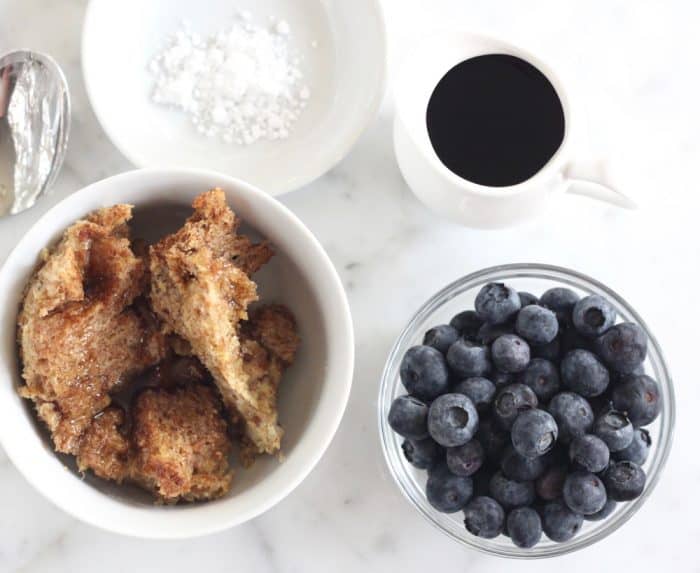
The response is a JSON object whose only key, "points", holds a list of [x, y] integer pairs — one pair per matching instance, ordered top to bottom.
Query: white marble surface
{"points": [[635, 64]]}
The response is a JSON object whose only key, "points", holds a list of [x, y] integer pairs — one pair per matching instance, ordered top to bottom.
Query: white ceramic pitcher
{"points": [[456, 198]]}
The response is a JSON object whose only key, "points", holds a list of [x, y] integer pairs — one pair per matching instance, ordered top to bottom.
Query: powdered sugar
{"points": [[241, 84]]}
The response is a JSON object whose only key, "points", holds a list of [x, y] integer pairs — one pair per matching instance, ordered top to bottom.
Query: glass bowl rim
{"points": [[541, 272]]}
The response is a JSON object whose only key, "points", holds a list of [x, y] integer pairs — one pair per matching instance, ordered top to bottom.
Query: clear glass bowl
{"points": [[459, 296]]}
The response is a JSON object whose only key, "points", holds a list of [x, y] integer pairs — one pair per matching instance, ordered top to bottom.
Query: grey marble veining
{"points": [[633, 64]]}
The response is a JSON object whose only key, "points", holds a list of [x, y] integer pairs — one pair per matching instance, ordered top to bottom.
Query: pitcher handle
{"points": [[592, 179]]}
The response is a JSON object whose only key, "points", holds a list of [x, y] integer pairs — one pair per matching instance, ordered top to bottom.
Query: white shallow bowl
{"points": [[345, 72], [312, 397]]}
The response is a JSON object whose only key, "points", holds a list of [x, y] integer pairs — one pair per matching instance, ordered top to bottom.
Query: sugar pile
{"points": [[241, 84]]}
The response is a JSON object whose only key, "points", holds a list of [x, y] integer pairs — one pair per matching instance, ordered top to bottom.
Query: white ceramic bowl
{"points": [[345, 71], [312, 397]]}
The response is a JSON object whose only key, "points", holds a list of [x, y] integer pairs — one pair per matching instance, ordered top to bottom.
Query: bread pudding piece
{"points": [[201, 289], [274, 328], [80, 337], [269, 342], [174, 442], [180, 444], [104, 447]]}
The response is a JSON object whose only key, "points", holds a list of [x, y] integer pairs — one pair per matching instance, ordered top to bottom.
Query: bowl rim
{"points": [[333, 154], [390, 381], [193, 520]]}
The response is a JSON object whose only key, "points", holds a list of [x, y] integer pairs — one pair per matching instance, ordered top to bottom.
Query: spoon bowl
{"points": [[34, 126]]}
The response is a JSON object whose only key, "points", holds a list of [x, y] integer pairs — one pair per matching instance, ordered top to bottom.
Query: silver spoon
{"points": [[34, 125]]}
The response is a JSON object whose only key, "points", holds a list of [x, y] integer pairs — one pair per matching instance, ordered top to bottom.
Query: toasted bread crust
{"points": [[201, 289], [274, 327], [80, 338], [180, 443], [104, 447]]}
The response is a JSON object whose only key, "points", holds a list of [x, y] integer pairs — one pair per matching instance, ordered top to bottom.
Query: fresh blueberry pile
{"points": [[528, 413]]}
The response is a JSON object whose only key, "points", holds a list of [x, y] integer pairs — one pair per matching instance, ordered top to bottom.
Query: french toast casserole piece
{"points": [[201, 289], [80, 335], [269, 341], [175, 442], [180, 442], [105, 446]]}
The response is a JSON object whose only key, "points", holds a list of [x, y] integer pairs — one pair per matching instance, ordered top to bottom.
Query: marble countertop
{"points": [[636, 69]]}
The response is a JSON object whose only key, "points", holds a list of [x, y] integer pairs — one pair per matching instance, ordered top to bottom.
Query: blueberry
{"points": [[527, 299], [560, 300], [496, 303], [593, 315], [467, 324], [537, 325], [490, 332], [441, 337], [623, 347], [550, 351], [510, 353], [466, 359], [424, 372], [583, 373], [542, 376], [616, 377], [501, 379], [480, 390], [639, 398], [510, 401], [573, 415], [408, 417], [452, 420], [615, 429], [534, 433], [492, 439], [638, 451], [589, 453], [422, 454], [465, 460], [519, 468], [624, 480], [550, 484], [447, 492], [510, 493], [584, 493], [604, 513], [484, 517], [559, 522], [524, 527]]}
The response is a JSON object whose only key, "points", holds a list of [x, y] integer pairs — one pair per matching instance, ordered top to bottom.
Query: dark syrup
{"points": [[495, 120]]}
